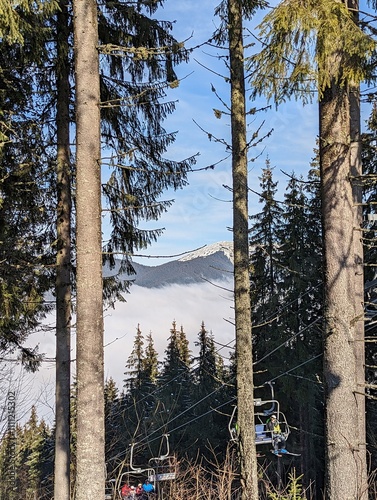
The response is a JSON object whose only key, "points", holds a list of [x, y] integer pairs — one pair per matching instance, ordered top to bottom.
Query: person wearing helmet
{"points": [[278, 437], [148, 487], [139, 490], [125, 492]]}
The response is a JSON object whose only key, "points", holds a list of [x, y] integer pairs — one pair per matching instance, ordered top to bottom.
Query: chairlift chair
{"points": [[261, 415], [164, 464], [134, 473]]}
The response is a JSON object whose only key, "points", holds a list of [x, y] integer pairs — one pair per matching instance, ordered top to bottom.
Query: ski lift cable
{"points": [[274, 316], [286, 341], [295, 368], [191, 369], [318, 382], [223, 384], [147, 396], [233, 399], [227, 402], [212, 409], [183, 412], [203, 414], [190, 421], [176, 428], [147, 438]]}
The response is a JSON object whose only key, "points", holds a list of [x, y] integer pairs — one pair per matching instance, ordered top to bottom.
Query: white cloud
{"points": [[156, 309]]}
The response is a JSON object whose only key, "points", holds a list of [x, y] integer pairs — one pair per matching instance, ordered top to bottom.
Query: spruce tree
{"points": [[138, 55], [25, 234], [265, 270], [299, 292], [151, 362], [135, 364], [207, 395], [172, 399], [137, 405], [113, 428], [34, 458]]}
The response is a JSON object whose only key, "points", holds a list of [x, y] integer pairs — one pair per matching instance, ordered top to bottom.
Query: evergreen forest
{"points": [[84, 164]]}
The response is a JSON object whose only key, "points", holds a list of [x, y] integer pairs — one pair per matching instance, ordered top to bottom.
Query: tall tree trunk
{"points": [[63, 267], [343, 311], [359, 346], [244, 358], [342, 443], [90, 480]]}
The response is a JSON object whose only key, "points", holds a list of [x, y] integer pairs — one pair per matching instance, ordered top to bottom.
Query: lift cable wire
{"points": [[287, 341], [223, 384], [146, 438]]}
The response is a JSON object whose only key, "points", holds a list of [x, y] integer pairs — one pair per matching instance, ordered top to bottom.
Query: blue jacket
{"points": [[148, 487]]}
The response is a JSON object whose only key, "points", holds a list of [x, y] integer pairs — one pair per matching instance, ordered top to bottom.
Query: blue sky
{"points": [[202, 212]]}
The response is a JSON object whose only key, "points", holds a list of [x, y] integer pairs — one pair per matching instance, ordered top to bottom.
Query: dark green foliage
{"points": [[25, 232], [265, 271], [287, 308], [140, 385], [173, 397], [179, 398], [111, 400], [130, 415], [209, 428], [34, 461]]}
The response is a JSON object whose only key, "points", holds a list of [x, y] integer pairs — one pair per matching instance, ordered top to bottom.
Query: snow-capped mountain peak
{"points": [[222, 246], [212, 262]]}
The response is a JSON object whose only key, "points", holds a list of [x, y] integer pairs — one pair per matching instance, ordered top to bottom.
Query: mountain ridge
{"points": [[222, 246], [210, 263]]}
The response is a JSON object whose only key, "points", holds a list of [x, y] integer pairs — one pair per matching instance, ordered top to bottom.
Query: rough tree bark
{"points": [[63, 267], [343, 302], [359, 345], [244, 358], [342, 428], [90, 479]]}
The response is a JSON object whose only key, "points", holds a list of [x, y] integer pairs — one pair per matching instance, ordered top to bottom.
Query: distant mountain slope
{"points": [[226, 247], [210, 263]]}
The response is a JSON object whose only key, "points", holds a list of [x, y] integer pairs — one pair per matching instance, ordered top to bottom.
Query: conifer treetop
{"points": [[13, 23], [307, 46]]}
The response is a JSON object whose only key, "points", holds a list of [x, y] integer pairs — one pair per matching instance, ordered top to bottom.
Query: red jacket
{"points": [[125, 490]]}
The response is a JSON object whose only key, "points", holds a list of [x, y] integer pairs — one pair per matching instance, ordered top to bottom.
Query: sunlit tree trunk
{"points": [[63, 267], [343, 306], [359, 346], [244, 358], [342, 428], [90, 480]]}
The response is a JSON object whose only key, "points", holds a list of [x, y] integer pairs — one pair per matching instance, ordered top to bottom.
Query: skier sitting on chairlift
{"points": [[278, 438], [148, 487]]}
